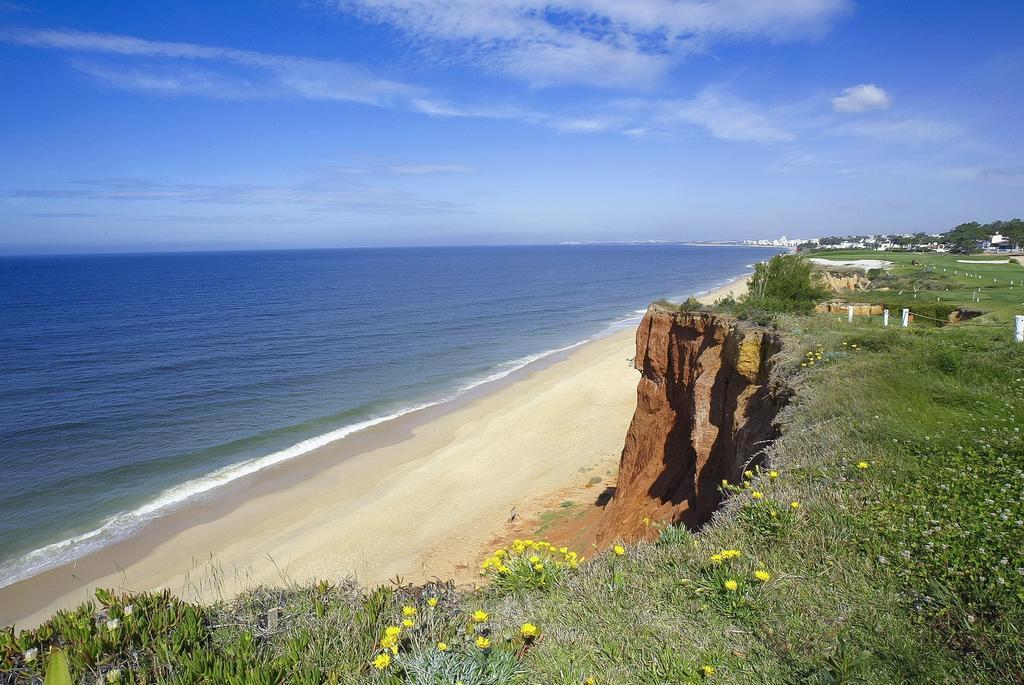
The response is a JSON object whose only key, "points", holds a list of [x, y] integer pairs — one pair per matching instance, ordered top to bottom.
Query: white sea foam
{"points": [[123, 524]]}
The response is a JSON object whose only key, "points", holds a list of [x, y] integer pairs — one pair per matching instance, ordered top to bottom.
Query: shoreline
{"points": [[413, 496]]}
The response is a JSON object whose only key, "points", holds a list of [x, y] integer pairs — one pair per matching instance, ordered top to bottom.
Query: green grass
{"points": [[941, 279], [907, 571]]}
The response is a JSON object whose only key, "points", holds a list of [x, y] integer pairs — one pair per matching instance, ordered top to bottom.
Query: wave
{"points": [[124, 524]]}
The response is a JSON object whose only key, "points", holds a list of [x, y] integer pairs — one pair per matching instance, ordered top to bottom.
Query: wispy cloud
{"points": [[595, 42], [168, 68], [175, 69], [190, 69], [862, 98], [715, 110], [908, 131], [426, 169], [332, 189]]}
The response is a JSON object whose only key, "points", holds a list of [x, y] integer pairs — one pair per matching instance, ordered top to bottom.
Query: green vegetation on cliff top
{"points": [[881, 542]]}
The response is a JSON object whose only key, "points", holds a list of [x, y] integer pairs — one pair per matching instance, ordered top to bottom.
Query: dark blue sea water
{"points": [[131, 383]]}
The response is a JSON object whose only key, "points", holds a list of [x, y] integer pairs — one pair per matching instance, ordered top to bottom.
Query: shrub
{"points": [[785, 284], [692, 304], [675, 535], [529, 565]]}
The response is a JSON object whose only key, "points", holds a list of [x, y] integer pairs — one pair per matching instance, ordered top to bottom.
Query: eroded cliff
{"points": [[705, 410]]}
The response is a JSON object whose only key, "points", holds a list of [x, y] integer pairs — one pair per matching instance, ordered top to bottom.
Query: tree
{"points": [[784, 283]]}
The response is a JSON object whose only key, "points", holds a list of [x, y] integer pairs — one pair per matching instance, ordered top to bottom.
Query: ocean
{"points": [[133, 384]]}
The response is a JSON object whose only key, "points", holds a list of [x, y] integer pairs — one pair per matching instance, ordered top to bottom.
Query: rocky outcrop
{"points": [[839, 282], [839, 307], [964, 314], [705, 410]]}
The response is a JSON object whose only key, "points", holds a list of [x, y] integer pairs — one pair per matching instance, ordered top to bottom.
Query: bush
{"points": [[785, 280], [785, 284], [691, 304], [529, 565]]}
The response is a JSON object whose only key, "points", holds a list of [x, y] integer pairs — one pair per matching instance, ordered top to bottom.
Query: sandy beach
{"points": [[416, 497]]}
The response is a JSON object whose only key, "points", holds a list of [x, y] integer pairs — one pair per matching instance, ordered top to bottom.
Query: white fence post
{"points": [[849, 313], [885, 318], [905, 320], [1018, 333]]}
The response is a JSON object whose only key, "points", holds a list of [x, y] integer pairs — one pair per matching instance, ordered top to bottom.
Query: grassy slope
{"points": [[998, 297], [908, 570]]}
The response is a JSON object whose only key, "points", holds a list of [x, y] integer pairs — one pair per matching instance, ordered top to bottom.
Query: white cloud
{"points": [[613, 43], [190, 69], [261, 74], [861, 98], [725, 116], [427, 169], [329, 189]]}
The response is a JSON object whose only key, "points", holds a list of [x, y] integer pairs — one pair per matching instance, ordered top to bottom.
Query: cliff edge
{"points": [[705, 412]]}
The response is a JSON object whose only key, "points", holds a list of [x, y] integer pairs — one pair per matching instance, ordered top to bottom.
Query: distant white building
{"points": [[997, 239], [782, 241]]}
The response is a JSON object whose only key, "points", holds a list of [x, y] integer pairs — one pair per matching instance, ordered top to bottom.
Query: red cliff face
{"points": [[704, 412]]}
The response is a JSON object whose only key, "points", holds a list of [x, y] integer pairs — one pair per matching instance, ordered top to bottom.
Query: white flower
{"points": [[128, 609], [113, 624], [30, 655], [114, 675]]}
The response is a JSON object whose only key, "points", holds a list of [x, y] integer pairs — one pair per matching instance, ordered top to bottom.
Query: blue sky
{"points": [[302, 123]]}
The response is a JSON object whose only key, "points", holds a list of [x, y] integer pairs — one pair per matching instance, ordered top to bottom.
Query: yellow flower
{"points": [[863, 465], [748, 474], [773, 474], [756, 495], [794, 505], [647, 520], [619, 550], [731, 553], [717, 558], [534, 559], [538, 567], [763, 576], [731, 585], [432, 601], [408, 611], [480, 615], [408, 623], [528, 630], [390, 639], [482, 642], [442, 646], [382, 661], [708, 670], [590, 681]]}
